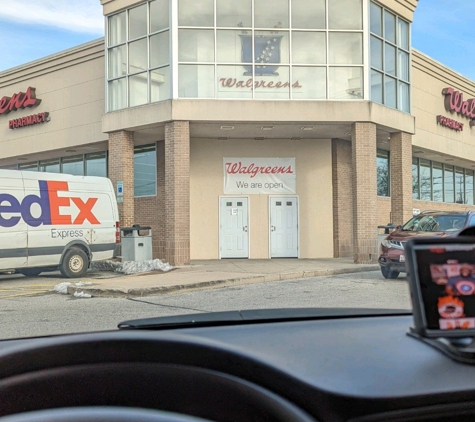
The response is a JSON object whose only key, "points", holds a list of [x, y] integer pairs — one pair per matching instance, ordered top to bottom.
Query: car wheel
{"points": [[74, 264], [31, 272], [388, 273]]}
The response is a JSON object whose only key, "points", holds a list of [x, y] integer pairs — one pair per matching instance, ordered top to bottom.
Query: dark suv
{"points": [[428, 223]]}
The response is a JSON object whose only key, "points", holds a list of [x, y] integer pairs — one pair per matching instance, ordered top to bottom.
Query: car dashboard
{"points": [[362, 368]]}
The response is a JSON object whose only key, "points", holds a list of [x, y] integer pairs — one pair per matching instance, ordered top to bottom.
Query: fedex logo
{"points": [[49, 202]]}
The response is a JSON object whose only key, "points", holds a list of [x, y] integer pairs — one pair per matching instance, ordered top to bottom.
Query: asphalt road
{"points": [[26, 312]]}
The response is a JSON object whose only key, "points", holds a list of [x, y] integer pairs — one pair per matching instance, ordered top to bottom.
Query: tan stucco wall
{"points": [[429, 79], [71, 88], [314, 188]]}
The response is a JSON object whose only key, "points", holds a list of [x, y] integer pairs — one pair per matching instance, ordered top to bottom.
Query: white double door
{"points": [[234, 227]]}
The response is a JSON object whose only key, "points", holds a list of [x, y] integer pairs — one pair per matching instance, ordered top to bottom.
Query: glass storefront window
{"points": [[196, 13], [234, 13], [308, 14], [345, 14], [159, 15], [271, 15], [138, 22], [376, 25], [389, 27], [116, 33], [196, 45], [229, 47], [345, 48], [159, 49], [376, 53], [301, 54], [138, 56], [117, 62], [159, 80], [196, 81], [231, 83], [310, 83], [345, 83], [376, 86], [138, 89], [264, 90], [390, 91], [117, 94], [96, 164], [73, 165], [28, 166], [50, 166], [145, 171], [382, 173], [469, 174], [415, 178], [425, 180], [437, 182], [459, 186], [449, 195]]}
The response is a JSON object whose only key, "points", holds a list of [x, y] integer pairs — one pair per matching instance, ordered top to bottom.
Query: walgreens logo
{"points": [[19, 100], [253, 170], [49, 202]]}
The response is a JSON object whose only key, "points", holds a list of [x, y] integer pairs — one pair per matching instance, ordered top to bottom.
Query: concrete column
{"points": [[121, 168], [401, 177], [177, 192], [342, 199], [365, 232]]}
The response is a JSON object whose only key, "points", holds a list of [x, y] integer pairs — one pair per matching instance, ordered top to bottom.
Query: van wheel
{"points": [[75, 263], [31, 272], [388, 273]]}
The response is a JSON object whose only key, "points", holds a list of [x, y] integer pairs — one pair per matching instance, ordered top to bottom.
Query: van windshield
{"points": [[435, 223]]}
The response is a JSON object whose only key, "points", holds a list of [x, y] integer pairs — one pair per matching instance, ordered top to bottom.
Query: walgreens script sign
{"points": [[259, 175]]}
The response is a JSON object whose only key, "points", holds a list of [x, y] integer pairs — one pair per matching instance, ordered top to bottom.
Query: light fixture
{"points": [[227, 127], [267, 127], [307, 127], [346, 134], [222, 138], [259, 138], [296, 138], [70, 150], [418, 152], [22, 159], [449, 159]]}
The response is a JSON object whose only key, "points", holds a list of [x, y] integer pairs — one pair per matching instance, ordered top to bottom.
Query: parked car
{"points": [[428, 223]]}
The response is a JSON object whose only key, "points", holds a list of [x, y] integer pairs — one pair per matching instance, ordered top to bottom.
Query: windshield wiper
{"points": [[254, 316]]}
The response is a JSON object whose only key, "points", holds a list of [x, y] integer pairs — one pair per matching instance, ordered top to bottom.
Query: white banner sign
{"points": [[259, 175]]}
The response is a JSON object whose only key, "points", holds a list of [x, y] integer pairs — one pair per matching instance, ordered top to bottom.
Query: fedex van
{"points": [[52, 221]]}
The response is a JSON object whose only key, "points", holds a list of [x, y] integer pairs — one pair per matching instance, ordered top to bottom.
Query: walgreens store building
{"points": [[253, 128]]}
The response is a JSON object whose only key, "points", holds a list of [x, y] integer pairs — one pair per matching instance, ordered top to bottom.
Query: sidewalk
{"points": [[217, 273]]}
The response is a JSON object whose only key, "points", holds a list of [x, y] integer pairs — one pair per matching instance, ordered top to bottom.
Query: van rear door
{"points": [[13, 230]]}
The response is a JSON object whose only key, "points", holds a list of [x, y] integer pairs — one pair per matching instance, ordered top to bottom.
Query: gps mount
{"points": [[459, 349]]}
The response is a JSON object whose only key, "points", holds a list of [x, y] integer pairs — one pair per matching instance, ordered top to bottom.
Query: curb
{"points": [[202, 285]]}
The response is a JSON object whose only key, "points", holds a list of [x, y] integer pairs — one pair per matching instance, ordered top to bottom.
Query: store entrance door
{"points": [[234, 227], [284, 227]]}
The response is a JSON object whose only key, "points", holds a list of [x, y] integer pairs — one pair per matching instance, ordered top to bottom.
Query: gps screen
{"points": [[447, 280]]}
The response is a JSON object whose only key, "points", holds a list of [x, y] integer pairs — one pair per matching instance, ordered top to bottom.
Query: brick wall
{"points": [[363, 148], [121, 168], [401, 177], [177, 193], [342, 198]]}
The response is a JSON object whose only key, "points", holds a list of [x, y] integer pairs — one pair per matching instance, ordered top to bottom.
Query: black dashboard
{"points": [[341, 369]]}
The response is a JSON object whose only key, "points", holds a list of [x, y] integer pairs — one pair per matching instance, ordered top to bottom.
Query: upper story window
{"points": [[286, 49], [138, 55], [390, 59]]}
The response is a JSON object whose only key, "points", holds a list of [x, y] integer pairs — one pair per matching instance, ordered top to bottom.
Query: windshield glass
{"points": [[170, 157], [435, 223]]}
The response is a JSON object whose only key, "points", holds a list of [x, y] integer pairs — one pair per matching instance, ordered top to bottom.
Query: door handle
{"points": [[272, 228], [244, 229]]}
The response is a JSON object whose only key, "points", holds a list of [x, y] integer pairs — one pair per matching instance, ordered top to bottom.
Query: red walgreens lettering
{"points": [[20, 100], [454, 102], [253, 170]]}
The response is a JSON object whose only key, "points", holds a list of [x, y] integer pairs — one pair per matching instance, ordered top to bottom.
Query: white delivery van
{"points": [[52, 221]]}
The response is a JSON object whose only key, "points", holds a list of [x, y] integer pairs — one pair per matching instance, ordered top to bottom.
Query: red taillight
{"points": [[117, 232]]}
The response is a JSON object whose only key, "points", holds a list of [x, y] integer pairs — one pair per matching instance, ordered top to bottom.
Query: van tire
{"points": [[74, 264], [31, 272], [387, 272]]}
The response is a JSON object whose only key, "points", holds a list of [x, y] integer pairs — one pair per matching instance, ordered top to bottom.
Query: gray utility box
{"points": [[136, 243]]}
